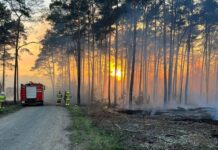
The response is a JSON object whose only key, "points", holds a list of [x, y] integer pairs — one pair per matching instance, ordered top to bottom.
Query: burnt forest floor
{"points": [[141, 132]]}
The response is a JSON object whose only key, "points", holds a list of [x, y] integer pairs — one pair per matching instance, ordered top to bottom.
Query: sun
{"points": [[118, 73]]}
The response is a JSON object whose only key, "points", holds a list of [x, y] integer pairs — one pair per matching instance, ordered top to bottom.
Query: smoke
{"points": [[215, 113], [215, 117]]}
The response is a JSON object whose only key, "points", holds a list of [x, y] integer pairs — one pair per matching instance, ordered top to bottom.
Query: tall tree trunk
{"points": [[145, 54], [155, 56], [165, 56], [188, 56], [93, 57], [122, 57], [116, 58], [133, 58], [16, 59], [105, 64], [116, 64], [79, 65], [141, 66], [203, 66], [208, 66], [83, 68], [89, 68], [93, 68], [187, 68], [3, 71], [53, 71], [170, 71], [109, 72], [62, 73], [78, 73], [100, 73], [69, 74], [182, 74], [18, 77]]}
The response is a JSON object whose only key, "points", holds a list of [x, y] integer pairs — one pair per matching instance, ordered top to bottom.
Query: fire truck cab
{"points": [[32, 93]]}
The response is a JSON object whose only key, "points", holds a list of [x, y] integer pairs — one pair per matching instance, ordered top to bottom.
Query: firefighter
{"points": [[59, 97], [67, 97], [2, 100]]}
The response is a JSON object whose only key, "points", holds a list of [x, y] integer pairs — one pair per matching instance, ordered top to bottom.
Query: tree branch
{"points": [[29, 44]]}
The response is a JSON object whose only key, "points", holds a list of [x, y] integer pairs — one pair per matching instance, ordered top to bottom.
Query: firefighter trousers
{"points": [[59, 100], [67, 102]]}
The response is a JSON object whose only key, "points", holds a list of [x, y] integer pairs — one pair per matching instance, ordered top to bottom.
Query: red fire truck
{"points": [[32, 93]]}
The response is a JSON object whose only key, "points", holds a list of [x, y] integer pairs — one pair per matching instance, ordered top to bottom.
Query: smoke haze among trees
{"points": [[131, 53]]}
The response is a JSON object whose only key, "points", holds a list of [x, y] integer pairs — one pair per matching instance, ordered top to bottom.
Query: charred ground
{"points": [[137, 131]]}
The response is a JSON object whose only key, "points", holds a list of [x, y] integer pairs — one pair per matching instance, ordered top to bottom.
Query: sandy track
{"points": [[35, 128]]}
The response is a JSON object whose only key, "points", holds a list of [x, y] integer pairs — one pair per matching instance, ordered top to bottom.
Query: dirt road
{"points": [[35, 128]]}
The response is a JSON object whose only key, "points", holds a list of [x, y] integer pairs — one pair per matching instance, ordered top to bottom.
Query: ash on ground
{"points": [[175, 129]]}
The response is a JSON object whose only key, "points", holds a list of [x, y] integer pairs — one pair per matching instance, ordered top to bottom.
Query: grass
{"points": [[9, 109], [88, 137]]}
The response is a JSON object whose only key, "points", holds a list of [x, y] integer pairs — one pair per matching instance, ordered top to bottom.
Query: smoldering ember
{"points": [[108, 74]]}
